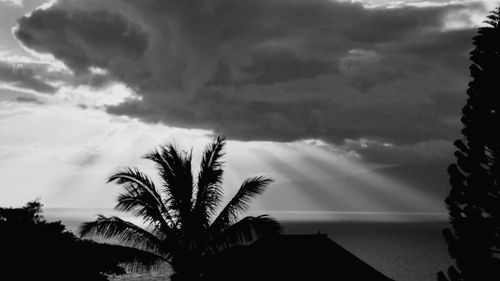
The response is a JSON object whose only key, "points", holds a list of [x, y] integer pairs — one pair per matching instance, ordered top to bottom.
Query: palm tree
{"points": [[182, 225]]}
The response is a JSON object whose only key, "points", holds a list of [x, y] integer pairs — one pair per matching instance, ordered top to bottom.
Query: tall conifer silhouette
{"points": [[474, 200]]}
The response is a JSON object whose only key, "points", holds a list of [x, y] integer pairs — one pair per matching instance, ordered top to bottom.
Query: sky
{"points": [[350, 106]]}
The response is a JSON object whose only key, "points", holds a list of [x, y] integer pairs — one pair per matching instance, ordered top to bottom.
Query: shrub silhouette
{"points": [[474, 199], [182, 225], [33, 249]]}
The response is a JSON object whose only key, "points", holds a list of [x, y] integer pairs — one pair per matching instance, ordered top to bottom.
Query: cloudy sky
{"points": [[349, 105]]}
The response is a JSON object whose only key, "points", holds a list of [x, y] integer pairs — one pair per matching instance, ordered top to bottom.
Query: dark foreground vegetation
{"points": [[33, 249]]}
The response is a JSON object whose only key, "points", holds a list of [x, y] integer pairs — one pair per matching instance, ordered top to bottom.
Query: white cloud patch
{"points": [[18, 3], [392, 4], [470, 17], [113, 94]]}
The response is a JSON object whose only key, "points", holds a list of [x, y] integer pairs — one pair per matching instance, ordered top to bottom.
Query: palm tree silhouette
{"points": [[182, 225]]}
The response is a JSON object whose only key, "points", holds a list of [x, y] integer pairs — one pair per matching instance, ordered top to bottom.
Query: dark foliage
{"points": [[474, 199], [182, 224], [33, 249]]}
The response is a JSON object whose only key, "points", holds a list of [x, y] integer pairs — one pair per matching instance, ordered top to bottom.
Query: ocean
{"points": [[404, 247]]}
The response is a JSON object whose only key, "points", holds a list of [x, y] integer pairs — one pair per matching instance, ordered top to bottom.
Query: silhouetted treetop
{"points": [[474, 199], [31, 212], [182, 224]]}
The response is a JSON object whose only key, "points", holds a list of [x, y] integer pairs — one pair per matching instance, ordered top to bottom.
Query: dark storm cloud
{"points": [[82, 39], [284, 66], [273, 69], [222, 75], [25, 76], [264, 120]]}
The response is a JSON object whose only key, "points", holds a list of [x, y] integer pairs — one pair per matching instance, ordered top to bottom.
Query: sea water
{"points": [[404, 247]]}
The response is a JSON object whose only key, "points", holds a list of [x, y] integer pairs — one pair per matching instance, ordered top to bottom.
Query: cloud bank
{"points": [[271, 69]]}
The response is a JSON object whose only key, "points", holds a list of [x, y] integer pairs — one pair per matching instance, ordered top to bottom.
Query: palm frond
{"points": [[176, 174], [143, 188], [209, 191], [139, 201], [239, 203], [141, 205], [244, 232], [127, 233]]}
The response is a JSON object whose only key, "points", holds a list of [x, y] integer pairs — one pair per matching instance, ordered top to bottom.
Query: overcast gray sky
{"points": [[348, 105]]}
